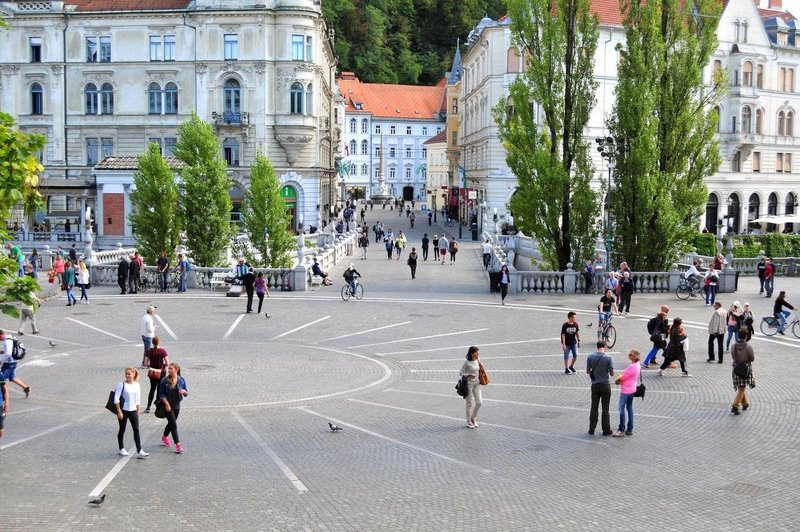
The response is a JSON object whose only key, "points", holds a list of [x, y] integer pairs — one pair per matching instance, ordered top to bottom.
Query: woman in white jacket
{"points": [[83, 280]]}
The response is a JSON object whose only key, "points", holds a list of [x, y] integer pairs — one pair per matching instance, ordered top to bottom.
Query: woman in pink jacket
{"points": [[627, 382]]}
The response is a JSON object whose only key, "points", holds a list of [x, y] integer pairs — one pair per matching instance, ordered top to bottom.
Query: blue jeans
{"points": [[162, 277], [183, 283], [768, 284], [353, 285], [83, 293], [711, 294], [71, 296], [782, 315], [732, 329], [148, 344], [571, 349], [651, 355], [625, 403]]}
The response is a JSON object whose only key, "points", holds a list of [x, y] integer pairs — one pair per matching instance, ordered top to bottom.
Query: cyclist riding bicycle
{"points": [[693, 275], [351, 276], [608, 303], [778, 311]]}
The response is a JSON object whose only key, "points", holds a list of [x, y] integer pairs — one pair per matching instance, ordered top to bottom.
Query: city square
{"points": [[260, 455]]}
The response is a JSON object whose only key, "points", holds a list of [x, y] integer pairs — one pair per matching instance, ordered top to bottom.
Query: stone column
{"points": [[98, 210], [127, 210]]}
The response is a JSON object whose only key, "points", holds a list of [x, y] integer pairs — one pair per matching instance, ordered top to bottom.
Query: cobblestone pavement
{"points": [[259, 454]]}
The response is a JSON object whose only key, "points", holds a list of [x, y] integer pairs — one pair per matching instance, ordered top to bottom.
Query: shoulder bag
{"points": [[742, 369], [483, 377], [640, 388], [110, 405]]}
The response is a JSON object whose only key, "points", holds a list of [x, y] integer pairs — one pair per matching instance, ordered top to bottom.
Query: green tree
{"points": [[663, 117], [544, 141], [19, 178], [205, 204], [263, 208], [154, 219]]}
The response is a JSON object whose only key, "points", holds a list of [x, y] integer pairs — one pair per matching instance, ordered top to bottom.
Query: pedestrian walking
{"points": [[430, 218], [426, 242], [435, 242], [363, 243], [388, 244], [443, 246], [453, 248], [73, 254], [487, 254], [33, 259], [412, 262], [761, 267], [59, 268], [123, 269], [134, 271], [505, 277], [769, 277], [83, 281], [249, 281], [69, 282], [711, 285], [626, 288], [261, 290], [28, 312], [779, 313], [734, 318], [747, 321], [147, 327], [658, 328], [716, 331], [570, 342], [676, 348], [157, 362], [9, 364], [599, 367], [471, 368], [742, 373], [627, 386], [171, 392], [127, 398]]}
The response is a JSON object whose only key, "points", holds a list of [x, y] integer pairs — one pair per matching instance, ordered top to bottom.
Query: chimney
{"points": [[775, 4]]}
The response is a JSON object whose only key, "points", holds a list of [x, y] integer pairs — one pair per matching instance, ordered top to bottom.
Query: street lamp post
{"points": [[608, 151], [266, 247]]}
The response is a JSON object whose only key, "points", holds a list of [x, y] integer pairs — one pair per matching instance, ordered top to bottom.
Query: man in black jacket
{"points": [[122, 274], [133, 275], [249, 280]]}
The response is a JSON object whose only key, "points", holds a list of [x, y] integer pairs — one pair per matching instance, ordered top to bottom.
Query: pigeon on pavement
{"points": [[52, 343], [333, 427], [97, 501]]}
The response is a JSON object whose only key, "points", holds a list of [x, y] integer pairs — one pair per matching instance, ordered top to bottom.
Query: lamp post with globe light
{"points": [[608, 149]]}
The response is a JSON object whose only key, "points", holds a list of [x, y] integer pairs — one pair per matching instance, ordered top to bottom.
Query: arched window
{"points": [[736, 31], [744, 31], [512, 60], [747, 74], [760, 76], [91, 97], [37, 99], [106, 99], [154, 99], [171, 99], [231, 99], [296, 99], [309, 108], [747, 119], [759, 121], [353, 123], [781, 123], [789, 123], [364, 125], [352, 147], [364, 148], [772, 204], [789, 205], [753, 207], [712, 213], [734, 213]]}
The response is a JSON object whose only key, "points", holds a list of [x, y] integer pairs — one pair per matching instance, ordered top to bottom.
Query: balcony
{"points": [[231, 119]]}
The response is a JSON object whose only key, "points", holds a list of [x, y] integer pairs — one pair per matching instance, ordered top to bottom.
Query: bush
{"points": [[704, 243]]}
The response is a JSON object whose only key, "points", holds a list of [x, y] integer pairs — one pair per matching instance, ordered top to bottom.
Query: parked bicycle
{"points": [[144, 283], [687, 288], [770, 325], [606, 332]]}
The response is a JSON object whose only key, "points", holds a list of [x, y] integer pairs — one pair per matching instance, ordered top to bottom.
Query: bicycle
{"points": [[144, 283], [687, 289], [347, 293], [770, 325], [605, 331]]}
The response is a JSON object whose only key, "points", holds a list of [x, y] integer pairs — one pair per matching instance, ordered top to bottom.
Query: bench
{"points": [[217, 279], [316, 280]]}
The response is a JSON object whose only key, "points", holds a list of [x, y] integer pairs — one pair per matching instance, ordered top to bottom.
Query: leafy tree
{"points": [[664, 120], [546, 148], [19, 178], [205, 204], [263, 207], [154, 220]]}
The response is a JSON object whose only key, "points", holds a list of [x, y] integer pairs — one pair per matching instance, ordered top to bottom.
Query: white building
{"points": [[99, 78]]}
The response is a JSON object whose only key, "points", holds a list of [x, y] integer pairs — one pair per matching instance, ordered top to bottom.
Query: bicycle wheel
{"points": [[144, 284], [359, 292], [683, 292], [345, 293], [769, 326], [796, 329], [610, 336]]}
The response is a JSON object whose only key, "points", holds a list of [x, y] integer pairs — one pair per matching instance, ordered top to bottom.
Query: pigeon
{"points": [[590, 324], [52, 343], [333, 427], [97, 501]]}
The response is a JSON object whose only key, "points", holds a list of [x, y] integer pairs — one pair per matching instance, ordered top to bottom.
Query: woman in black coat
{"points": [[676, 348]]}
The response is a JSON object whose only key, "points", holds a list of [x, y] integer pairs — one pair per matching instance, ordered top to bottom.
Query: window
{"points": [[736, 31], [744, 31], [231, 41], [35, 44], [297, 47], [155, 48], [169, 48], [309, 48], [105, 49], [91, 50], [512, 60], [747, 74], [760, 76], [786, 79], [90, 96], [231, 98], [37, 99], [106, 99], [154, 99], [171, 99], [296, 99], [309, 109], [716, 112], [747, 118], [759, 121], [733, 124], [789, 124], [353, 125], [364, 125], [377, 129], [438, 129], [392, 130], [408, 130], [425, 131], [454, 137], [157, 141], [169, 146], [352, 147], [364, 147], [98, 149], [230, 149], [377, 151], [91, 152], [392, 152], [408, 152], [424, 152], [756, 161], [736, 162], [787, 163], [352, 169], [364, 169], [376, 173], [392, 173], [408, 173], [772, 204], [789, 206], [753, 207]]}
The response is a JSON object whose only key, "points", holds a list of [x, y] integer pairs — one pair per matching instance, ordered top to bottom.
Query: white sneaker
{"points": [[660, 373], [123, 452], [142, 454]]}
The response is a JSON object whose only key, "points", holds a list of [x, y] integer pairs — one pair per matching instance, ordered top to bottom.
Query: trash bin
{"points": [[474, 228], [494, 281]]}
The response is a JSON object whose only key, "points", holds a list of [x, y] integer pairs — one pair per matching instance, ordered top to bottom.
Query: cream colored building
{"points": [[102, 80], [438, 165]]}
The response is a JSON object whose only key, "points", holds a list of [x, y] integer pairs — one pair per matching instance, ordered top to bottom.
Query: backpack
{"points": [[188, 265], [652, 324], [18, 350]]}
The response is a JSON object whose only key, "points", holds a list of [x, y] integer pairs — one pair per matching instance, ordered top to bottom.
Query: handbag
{"points": [[742, 369], [154, 373], [483, 377], [461, 386], [640, 388], [111, 406], [161, 410]]}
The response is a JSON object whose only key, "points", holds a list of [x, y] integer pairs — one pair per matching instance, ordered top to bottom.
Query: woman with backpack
{"points": [[453, 250]]}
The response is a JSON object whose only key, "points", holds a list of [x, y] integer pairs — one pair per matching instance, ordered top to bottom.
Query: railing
{"points": [[46, 236], [110, 256], [197, 277], [542, 282]]}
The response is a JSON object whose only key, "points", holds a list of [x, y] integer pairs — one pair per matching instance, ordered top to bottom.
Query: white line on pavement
{"points": [[235, 323], [166, 327], [299, 328], [98, 330], [365, 332], [422, 337], [56, 340], [467, 346], [462, 359], [493, 371], [582, 388], [523, 403], [34, 409], [48, 431], [529, 431], [392, 440], [275, 458], [110, 476]]}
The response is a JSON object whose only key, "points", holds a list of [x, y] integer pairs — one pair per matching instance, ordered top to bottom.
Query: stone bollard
{"points": [[301, 277], [569, 280]]}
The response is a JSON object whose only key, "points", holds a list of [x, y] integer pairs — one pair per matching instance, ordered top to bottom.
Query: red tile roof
{"points": [[128, 5], [608, 11], [783, 15], [391, 101], [439, 137]]}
